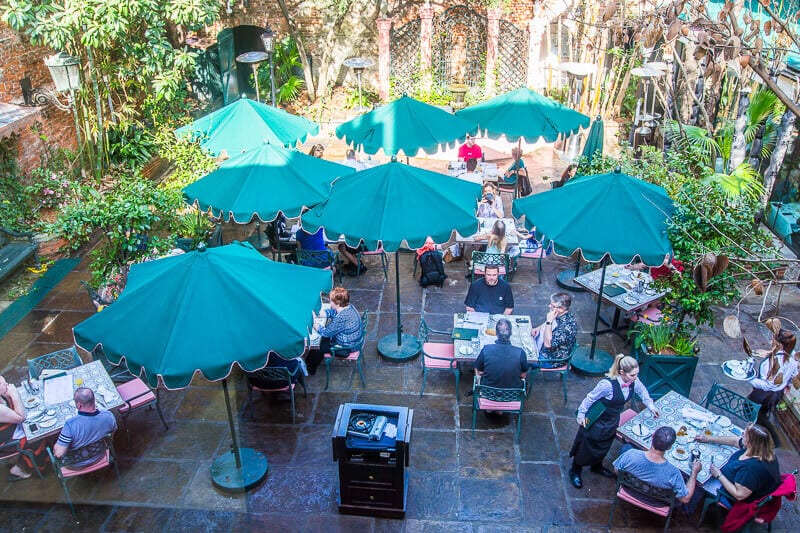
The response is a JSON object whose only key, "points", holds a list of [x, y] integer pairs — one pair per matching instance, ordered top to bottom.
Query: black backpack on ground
{"points": [[432, 268]]}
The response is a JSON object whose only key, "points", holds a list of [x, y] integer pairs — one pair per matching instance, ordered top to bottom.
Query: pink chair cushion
{"points": [[379, 251], [535, 254], [479, 268], [651, 315], [438, 349], [352, 357], [556, 369], [282, 389], [136, 392], [491, 405], [626, 415], [8, 456], [102, 463], [625, 496]]}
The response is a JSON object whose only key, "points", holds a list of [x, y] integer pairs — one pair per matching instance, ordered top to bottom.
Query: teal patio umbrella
{"points": [[524, 114], [246, 124], [406, 125], [594, 141], [263, 182], [391, 204], [608, 218], [206, 311]]}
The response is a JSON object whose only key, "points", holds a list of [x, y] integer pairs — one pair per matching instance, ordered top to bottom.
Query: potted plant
{"points": [[194, 227], [667, 355]]}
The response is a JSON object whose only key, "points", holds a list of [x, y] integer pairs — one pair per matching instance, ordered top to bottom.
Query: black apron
{"points": [[591, 445]]}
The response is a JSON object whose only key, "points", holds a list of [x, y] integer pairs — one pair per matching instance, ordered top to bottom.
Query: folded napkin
{"points": [[627, 284], [694, 414]]}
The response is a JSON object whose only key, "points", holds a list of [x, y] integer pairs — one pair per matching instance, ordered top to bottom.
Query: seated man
{"points": [[470, 150], [350, 259], [490, 294], [344, 329], [556, 336], [502, 365], [89, 426], [651, 467]]}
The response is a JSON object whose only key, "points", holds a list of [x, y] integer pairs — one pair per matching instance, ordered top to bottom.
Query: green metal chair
{"points": [[537, 255], [324, 259], [480, 260], [384, 261], [355, 353], [437, 355], [59, 360], [560, 366], [281, 377], [485, 398], [731, 403], [12, 449], [64, 469], [629, 489]]}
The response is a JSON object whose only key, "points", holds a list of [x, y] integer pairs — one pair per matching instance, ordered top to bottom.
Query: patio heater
{"points": [[268, 40], [253, 59], [358, 64], [577, 72], [66, 73], [646, 121]]}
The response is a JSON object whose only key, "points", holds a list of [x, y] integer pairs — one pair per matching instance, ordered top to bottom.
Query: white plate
{"points": [[649, 292], [630, 301], [465, 350], [31, 402], [51, 412], [33, 415], [48, 422], [724, 422], [640, 431], [679, 457]]}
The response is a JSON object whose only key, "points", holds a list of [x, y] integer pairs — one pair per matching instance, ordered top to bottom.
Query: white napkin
{"points": [[694, 414]]}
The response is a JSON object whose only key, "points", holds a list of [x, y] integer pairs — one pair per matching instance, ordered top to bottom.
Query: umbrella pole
{"points": [[400, 347], [594, 362], [241, 468]]}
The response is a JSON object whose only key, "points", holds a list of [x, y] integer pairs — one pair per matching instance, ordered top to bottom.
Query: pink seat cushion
{"points": [[379, 251], [535, 254], [651, 315], [441, 350], [352, 357], [556, 369], [282, 389], [136, 392], [491, 405], [626, 415], [8, 456], [102, 463], [625, 496]]}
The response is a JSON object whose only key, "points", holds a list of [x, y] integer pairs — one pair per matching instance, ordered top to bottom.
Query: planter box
{"points": [[663, 373], [789, 419]]}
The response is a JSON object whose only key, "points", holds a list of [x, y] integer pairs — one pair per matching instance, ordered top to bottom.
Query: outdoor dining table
{"points": [[486, 171], [485, 226], [622, 291], [319, 320], [469, 334], [671, 406], [49, 419]]}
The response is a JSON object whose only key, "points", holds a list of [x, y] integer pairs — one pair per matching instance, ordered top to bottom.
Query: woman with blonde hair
{"points": [[775, 373], [605, 403], [751, 473]]}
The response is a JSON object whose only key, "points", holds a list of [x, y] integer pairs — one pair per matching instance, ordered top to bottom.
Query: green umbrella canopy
{"points": [[524, 113], [246, 124], [406, 125], [594, 141], [264, 181], [395, 202], [611, 213], [205, 311]]}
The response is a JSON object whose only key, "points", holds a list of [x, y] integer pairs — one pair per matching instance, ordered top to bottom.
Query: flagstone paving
{"points": [[457, 482]]}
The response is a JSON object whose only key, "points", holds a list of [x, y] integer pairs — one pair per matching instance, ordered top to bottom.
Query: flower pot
{"points": [[458, 91], [662, 373]]}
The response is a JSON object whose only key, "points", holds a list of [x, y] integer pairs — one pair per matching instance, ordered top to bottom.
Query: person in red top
{"points": [[470, 150], [666, 269]]}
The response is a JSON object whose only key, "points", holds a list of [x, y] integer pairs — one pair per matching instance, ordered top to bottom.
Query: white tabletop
{"points": [[485, 227], [620, 276], [468, 351], [49, 419]]}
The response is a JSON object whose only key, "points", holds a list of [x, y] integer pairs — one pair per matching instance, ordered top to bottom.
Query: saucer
{"points": [[465, 350], [32, 402], [51, 412], [48, 422], [724, 422], [678, 456]]}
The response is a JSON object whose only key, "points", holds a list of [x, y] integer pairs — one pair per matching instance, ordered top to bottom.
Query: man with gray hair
{"points": [[502, 365], [88, 427], [652, 467]]}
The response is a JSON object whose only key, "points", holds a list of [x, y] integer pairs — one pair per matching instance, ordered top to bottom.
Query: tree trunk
{"points": [[301, 49], [739, 145], [778, 154]]}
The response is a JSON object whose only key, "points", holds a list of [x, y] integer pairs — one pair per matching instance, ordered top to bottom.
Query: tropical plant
{"points": [[288, 73], [129, 145], [195, 225], [664, 338]]}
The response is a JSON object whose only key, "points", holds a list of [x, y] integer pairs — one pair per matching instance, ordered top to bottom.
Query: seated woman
{"points": [[318, 150], [568, 174], [510, 176], [490, 205], [497, 240], [314, 242], [344, 329], [556, 336], [774, 373], [12, 414], [751, 473]]}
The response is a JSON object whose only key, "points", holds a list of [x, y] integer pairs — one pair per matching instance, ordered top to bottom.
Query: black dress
{"points": [[591, 445]]}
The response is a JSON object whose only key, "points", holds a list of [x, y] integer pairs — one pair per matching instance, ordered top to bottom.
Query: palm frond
{"points": [[762, 106], [695, 136], [743, 181]]}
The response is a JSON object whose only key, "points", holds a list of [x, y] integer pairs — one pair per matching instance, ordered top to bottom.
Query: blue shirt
{"points": [[307, 241], [345, 328], [85, 429], [664, 475]]}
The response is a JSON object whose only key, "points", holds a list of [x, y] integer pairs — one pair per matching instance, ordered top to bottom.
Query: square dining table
{"points": [[485, 226], [621, 290], [467, 347], [671, 406], [49, 419]]}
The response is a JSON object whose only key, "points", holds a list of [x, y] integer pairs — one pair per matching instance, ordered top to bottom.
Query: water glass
{"points": [[476, 345]]}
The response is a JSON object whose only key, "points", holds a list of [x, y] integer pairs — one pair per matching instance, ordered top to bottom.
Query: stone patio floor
{"points": [[457, 482]]}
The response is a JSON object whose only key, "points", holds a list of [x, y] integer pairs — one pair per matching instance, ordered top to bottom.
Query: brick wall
{"points": [[18, 59]]}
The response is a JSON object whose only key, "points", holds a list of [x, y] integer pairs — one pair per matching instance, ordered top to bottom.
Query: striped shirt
{"points": [[345, 328]]}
